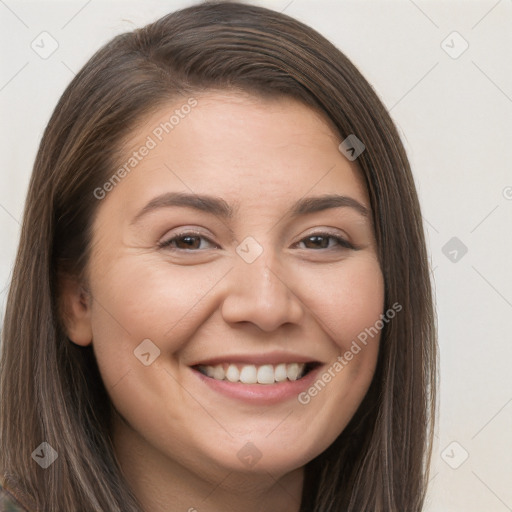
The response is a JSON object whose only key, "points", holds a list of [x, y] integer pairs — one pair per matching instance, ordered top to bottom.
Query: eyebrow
{"points": [[219, 207]]}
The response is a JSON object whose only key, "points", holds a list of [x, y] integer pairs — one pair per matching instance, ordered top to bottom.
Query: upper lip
{"points": [[257, 359]]}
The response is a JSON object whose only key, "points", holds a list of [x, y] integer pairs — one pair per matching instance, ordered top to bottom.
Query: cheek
{"points": [[347, 299], [138, 300], [348, 305]]}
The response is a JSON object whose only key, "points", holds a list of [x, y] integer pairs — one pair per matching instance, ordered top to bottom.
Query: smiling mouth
{"points": [[257, 374]]}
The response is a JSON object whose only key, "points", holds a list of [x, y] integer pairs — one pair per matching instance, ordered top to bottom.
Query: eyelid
{"points": [[324, 230]]}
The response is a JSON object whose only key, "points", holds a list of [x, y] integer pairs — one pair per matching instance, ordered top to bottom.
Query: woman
{"points": [[221, 298]]}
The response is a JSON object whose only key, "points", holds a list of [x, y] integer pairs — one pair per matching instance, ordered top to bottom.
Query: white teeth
{"points": [[292, 371], [218, 372], [280, 372], [232, 374], [248, 374], [251, 374], [266, 374]]}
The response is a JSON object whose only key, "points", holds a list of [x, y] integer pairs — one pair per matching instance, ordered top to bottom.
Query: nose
{"points": [[260, 293]]}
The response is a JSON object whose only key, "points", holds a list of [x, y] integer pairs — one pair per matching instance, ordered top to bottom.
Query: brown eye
{"points": [[185, 241], [322, 241]]}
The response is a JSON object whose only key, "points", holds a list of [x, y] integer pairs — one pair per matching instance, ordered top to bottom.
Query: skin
{"points": [[176, 439]]}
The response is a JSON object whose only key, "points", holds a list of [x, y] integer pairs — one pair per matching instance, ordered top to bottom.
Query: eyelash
{"points": [[341, 242]]}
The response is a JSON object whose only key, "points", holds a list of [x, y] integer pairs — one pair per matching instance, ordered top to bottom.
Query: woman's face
{"points": [[213, 257]]}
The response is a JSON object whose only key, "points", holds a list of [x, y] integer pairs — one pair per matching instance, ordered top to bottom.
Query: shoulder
{"points": [[8, 499]]}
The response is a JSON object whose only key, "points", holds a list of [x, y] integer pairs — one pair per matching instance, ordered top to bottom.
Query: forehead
{"points": [[238, 146]]}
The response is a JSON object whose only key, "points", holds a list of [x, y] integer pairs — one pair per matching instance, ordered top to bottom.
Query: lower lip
{"points": [[264, 394]]}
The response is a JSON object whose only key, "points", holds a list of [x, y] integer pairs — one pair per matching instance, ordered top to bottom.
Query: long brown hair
{"points": [[51, 389]]}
